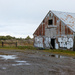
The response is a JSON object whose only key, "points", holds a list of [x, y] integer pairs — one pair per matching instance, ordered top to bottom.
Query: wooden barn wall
{"points": [[62, 29], [62, 32], [64, 38]]}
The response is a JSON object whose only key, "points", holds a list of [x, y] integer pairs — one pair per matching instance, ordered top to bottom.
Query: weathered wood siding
{"points": [[59, 30]]}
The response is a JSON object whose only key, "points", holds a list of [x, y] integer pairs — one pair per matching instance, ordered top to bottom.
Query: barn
{"points": [[56, 31]]}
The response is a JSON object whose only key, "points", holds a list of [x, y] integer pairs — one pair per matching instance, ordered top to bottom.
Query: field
{"points": [[30, 47]]}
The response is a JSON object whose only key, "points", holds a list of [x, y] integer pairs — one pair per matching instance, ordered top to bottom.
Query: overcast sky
{"points": [[20, 18]]}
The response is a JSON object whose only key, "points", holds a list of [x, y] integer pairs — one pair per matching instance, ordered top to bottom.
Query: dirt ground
{"points": [[35, 62]]}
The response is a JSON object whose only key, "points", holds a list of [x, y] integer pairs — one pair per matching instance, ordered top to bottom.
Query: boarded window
{"points": [[50, 22]]}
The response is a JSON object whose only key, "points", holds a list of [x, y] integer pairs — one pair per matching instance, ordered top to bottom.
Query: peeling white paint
{"points": [[59, 39], [65, 39], [38, 41], [47, 42], [65, 42], [56, 46]]}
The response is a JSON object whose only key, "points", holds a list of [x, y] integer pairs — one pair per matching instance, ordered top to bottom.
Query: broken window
{"points": [[50, 22]]}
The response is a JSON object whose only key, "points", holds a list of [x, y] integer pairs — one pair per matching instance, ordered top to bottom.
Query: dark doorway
{"points": [[53, 43]]}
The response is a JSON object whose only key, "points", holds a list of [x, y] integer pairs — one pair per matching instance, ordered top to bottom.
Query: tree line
{"points": [[8, 37]]}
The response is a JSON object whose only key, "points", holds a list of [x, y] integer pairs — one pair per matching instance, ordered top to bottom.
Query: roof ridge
{"points": [[62, 11]]}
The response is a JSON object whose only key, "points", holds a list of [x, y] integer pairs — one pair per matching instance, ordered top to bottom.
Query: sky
{"points": [[20, 18]]}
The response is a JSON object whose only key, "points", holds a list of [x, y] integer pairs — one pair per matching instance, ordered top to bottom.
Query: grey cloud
{"points": [[26, 15]]}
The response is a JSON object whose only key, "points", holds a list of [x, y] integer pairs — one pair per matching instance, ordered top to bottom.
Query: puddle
{"points": [[58, 56], [6, 57], [74, 58], [20, 63], [3, 68]]}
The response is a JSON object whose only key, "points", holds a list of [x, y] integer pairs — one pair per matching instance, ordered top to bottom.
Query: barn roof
{"points": [[67, 18]]}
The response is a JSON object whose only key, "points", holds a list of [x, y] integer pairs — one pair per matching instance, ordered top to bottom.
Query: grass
{"points": [[19, 47], [62, 52]]}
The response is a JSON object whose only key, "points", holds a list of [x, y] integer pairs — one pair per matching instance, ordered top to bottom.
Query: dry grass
{"points": [[30, 47], [62, 52]]}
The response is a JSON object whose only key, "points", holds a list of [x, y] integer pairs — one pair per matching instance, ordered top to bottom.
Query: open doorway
{"points": [[53, 43]]}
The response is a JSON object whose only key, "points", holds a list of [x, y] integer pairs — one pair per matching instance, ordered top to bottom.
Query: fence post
{"points": [[2, 44], [16, 44]]}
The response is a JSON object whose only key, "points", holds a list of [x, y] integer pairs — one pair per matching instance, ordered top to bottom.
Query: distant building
{"points": [[57, 30]]}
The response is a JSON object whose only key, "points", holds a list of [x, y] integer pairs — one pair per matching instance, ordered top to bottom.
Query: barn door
{"points": [[53, 43]]}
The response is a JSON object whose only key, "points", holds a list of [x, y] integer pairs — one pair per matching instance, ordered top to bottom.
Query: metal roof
{"points": [[67, 18]]}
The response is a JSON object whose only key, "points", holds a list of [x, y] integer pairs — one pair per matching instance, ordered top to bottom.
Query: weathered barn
{"points": [[57, 30]]}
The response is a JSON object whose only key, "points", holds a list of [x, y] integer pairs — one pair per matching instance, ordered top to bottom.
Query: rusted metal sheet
{"points": [[67, 18], [60, 27], [43, 29]]}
